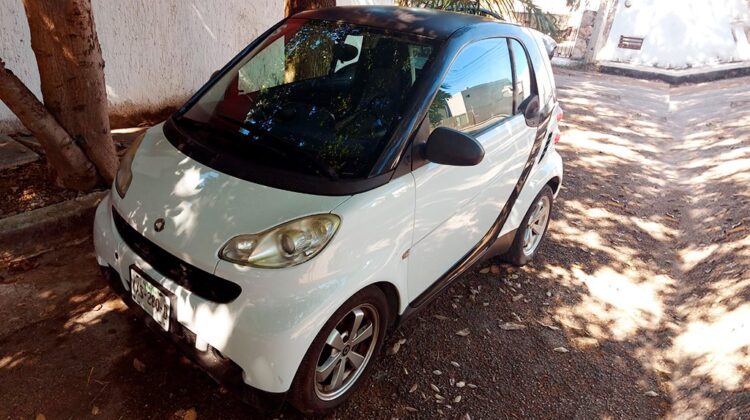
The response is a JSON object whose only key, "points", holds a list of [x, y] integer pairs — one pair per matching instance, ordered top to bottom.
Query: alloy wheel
{"points": [[536, 225], [347, 352]]}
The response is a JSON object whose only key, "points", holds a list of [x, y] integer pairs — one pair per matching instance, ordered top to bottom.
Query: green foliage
{"points": [[539, 20]]}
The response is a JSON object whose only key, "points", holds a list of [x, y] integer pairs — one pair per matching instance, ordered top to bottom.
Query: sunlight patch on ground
{"points": [[620, 303], [93, 316], [719, 347]]}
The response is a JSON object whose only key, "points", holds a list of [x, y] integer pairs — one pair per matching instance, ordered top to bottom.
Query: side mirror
{"points": [[531, 111], [450, 147]]}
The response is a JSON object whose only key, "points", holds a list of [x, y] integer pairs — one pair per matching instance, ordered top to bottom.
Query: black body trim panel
{"points": [[202, 283], [222, 370]]}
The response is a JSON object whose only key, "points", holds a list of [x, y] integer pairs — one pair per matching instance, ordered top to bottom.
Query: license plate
{"points": [[151, 299]]}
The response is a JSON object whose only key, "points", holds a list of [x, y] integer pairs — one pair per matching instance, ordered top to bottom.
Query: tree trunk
{"points": [[296, 6], [71, 70], [71, 168]]}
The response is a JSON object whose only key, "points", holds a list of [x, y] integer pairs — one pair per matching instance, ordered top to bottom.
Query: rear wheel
{"points": [[532, 230], [340, 356]]}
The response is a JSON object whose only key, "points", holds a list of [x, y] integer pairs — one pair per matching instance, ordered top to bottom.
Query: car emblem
{"points": [[159, 224]]}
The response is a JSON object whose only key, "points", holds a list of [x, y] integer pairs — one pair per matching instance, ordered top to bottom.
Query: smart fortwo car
{"points": [[327, 183]]}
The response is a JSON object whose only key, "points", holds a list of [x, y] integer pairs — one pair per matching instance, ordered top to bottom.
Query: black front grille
{"points": [[202, 283]]}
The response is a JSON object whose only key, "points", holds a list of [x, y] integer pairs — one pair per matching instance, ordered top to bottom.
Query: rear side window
{"points": [[523, 73], [478, 89]]}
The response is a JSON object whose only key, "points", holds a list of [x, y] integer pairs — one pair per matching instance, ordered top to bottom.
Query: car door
{"points": [[455, 207]]}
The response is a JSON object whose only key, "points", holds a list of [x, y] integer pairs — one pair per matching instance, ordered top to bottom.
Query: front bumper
{"points": [[246, 345], [224, 371]]}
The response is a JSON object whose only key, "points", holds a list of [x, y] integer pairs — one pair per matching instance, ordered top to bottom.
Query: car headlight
{"points": [[124, 172], [285, 245]]}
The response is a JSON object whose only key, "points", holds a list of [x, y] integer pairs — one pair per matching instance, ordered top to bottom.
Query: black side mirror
{"points": [[531, 111], [450, 147]]}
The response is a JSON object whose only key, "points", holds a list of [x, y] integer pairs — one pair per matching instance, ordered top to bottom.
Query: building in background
{"points": [[689, 36]]}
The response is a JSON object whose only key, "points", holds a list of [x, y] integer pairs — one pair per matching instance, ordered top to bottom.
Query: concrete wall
{"points": [[688, 33], [157, 52]]}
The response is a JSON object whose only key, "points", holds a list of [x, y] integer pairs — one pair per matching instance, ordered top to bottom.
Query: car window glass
{"points": [[523, 72], [543, 76], [478, 89], [315, 97]]}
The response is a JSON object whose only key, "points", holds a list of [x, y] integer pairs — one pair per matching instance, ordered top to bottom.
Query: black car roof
{"points": [[425, 22]]}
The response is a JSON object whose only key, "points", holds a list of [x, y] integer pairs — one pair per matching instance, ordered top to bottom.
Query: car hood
{"points": [[203, 208]]}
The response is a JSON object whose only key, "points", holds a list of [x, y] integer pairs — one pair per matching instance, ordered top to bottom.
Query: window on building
{"points": [[478, 89]]}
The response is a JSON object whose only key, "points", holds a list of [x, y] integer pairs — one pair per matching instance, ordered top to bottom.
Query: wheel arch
{"points": [[554, 183], [393, 297]]}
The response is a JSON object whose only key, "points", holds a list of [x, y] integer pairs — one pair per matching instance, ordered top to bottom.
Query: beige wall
{"points": [[157, 52]]}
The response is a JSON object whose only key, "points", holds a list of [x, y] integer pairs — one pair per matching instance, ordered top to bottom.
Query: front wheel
{"points": [[532, 230], [340, 356]]}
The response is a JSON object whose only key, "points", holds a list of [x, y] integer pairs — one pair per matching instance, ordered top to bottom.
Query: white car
{"points": [[324, 185]]}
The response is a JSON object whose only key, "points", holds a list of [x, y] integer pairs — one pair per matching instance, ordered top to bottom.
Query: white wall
{"points": [[679, 34], [157, 52]]}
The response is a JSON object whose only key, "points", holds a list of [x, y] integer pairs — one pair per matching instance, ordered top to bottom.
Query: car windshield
{"points": [[314, 97]]}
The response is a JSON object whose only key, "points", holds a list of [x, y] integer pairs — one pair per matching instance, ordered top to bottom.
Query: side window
{"points": [[523, 72], [478, 89]]}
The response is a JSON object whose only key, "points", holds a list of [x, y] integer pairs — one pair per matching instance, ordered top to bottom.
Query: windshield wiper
{"points": [[312, 161]]}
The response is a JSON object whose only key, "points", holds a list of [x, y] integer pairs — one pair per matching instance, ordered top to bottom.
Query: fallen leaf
{"points": [[485, 270], [516, 298], [440, 317], [511, 326], [552, 327], [463, 333], [402, 341], [586, 342], [394, 349], [560, 349], [455, 364], [138, 365], [437, 372], [460, 384], [472, 386], [434, 387], [413, 388], [651, 394], [439, 397], [457, 399], [410, 409], [94, 411], [466, 416]]}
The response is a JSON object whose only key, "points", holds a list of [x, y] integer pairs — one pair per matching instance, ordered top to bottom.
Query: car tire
{"points": [[532, 230], [314, 390]]}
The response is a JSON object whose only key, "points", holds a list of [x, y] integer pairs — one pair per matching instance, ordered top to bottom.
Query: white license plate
{"points": [[151, 299]]}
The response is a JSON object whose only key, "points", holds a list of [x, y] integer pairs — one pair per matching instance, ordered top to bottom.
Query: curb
{"points": [[676, 78], [37, 231]]}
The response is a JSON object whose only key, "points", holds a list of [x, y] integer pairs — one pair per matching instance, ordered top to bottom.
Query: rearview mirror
{"points": [[346, 52], [450, 147]]}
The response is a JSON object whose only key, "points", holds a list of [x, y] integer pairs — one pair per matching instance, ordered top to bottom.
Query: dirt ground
{"points": [[638, 305]]}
